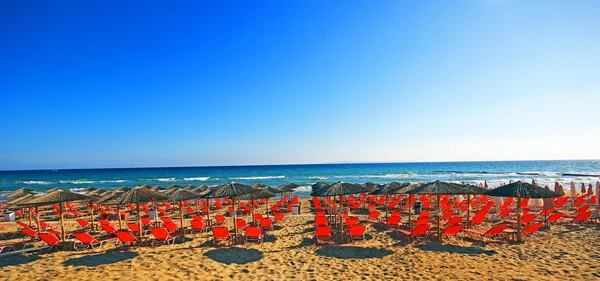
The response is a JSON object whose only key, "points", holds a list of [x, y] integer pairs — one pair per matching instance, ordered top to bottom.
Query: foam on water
{"points": [[196, 179]]}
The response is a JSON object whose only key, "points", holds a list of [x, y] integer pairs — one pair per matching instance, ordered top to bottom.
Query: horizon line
{"points": [[288, 164]]}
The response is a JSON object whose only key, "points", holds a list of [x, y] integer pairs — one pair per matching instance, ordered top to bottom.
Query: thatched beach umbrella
{"points": [[439, 188], [124, 189], [268, 189], [340, 189], [404, 189], [472, 189], [231, 190], [386, 190], [520, 190], [97, 192], [20, 193], [259, 194], [138, 196], [179, 196], [57, 197], [109, 198], [16, 201]]}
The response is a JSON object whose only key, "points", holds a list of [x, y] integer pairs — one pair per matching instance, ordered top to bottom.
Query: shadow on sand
{"points": [[450, 248], [352, 252], [234, 255], [108, 257], [17, 260]]}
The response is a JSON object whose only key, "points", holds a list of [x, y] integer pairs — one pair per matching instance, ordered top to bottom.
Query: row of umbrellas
{"points": [[517, 190]]}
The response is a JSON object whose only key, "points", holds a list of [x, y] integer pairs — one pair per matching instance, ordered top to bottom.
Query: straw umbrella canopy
{"points": [[318, 185], [371, 186], [288, 187], [158, 188], [439, 188], [88, 189], [123, 189], [269, 189], [340, 189], [404, 189], [232, 190], [386, 190], [472, 190], [520, 190], [97, 192], [20, 193], [258, 194], [137, 196], [179, 196], [60, 197], [110, 198], [16, 201]]}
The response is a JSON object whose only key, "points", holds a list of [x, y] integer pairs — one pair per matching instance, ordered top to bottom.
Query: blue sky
{"points": [[155, 83]]}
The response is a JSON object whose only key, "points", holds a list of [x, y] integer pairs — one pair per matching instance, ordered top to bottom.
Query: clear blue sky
{"points": [[156, 83]]}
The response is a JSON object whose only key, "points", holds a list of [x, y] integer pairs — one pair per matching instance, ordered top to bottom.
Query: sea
{"points": [[493, 172]]}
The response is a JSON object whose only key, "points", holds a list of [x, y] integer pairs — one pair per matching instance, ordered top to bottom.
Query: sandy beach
{"points": [[289, 253]]}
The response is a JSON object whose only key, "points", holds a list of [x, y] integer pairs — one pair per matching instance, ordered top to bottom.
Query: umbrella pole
{"points": [[197, 206], [386, 207], [267, 208], [208, 210], [29, 211], [468, 211], [409, 212], [439, 213], [119, 214], [181, 214], [92, 216], [139, 217], [519, 219], [341, 220], [37, 221], [234, 221], [62, 225]]}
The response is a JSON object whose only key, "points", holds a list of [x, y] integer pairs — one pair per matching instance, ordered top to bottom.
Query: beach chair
{"points": [[581, 210], [373, 216], [257, 217], [279, 217], [197, 218], [554, 218], [220, 219], [166, 220], [578, 220], [321, 221], [350, 221], [422, 221], [454, 221], [103, 222], [392, 222], [240, 223], [22, 224], [83, 224], [266, 224], [45, 226], [133, 226], [198, 226], [171, 227], [531, 229], [110, 230], [452, 230], [420, 231], [356, 232], [492, 233], [32, 234], [221, 234], [254, 235], [323, 235], [162, 236], [126, 237], [51, 240], [89, 241], [11, 246]]}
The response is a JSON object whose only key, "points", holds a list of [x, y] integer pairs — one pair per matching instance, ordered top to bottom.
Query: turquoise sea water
{"points": [[544, 172]]}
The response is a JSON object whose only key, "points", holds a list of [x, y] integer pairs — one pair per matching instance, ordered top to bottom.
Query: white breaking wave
{"points": [[258, 178], [317, 178], [166, 179], [196, 179], [77, 181], [105, 181], [36, 182], [303, 188]]}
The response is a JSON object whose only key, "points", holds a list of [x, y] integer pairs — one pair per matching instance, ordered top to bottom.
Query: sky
{"points": [[191, 83]]}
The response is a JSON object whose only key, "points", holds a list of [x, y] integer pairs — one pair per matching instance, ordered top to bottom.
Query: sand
{"points": [[289, 253]]}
